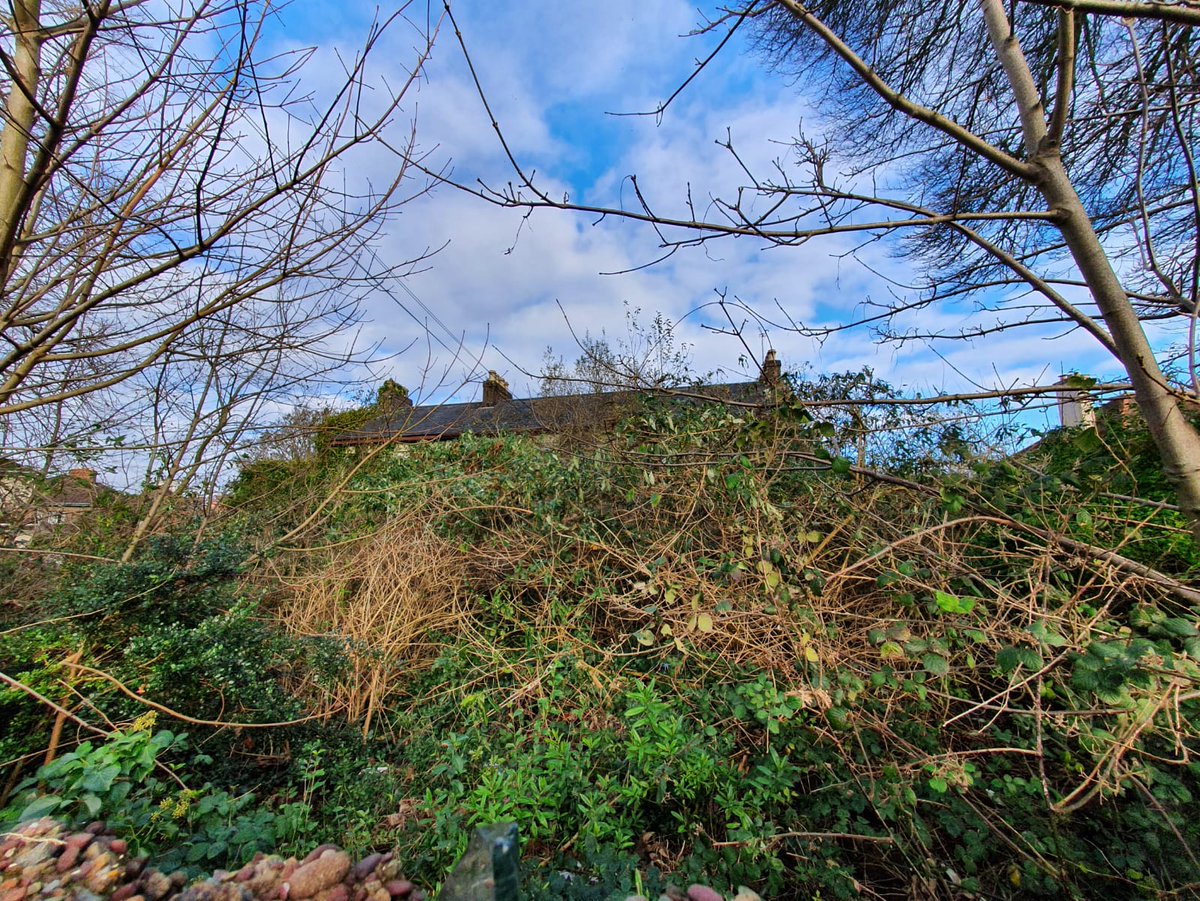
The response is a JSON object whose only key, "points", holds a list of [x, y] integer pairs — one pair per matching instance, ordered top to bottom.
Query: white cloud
{"points": [[552, 71]]}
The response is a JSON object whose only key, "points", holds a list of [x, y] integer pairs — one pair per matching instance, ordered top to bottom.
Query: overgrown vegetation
{"points": [[711, 645]]}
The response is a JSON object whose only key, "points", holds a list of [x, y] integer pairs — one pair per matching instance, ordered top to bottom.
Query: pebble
{"points": [[317, 852], [67, 859], [40, 861], [366, 866], [319, 873], [103, 874], [155, 886]]}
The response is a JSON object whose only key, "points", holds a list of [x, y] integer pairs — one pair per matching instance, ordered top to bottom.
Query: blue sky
{"points": [[553, 71]]}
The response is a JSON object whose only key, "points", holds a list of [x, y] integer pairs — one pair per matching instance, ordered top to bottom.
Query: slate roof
{"points": [[440, 422]]}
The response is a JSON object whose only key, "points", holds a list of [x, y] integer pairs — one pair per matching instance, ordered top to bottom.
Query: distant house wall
{"points": [[31, 505]]}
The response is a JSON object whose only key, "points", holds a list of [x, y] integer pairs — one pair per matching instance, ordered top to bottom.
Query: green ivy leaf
{"points": [[100, 780], [91, 803], [41, 807]]}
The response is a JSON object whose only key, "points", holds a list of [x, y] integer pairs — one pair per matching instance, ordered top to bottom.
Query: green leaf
{"points": [[1085, 441], [840, 466], [948, 603], [704, 622], [1180, 627], [1045, 634], [1191, 647], [890, 650], [1030, 658], [1007, 659], [936, 664], [1085, 679], [838, 718], [100, 780], [91, 803], [41, 807]]}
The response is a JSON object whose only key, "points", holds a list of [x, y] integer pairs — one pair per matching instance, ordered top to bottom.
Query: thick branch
{"points": [[1165, 12]]}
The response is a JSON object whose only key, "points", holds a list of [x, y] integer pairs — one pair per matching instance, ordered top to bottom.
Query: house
{"points": [[498, 412], [31, 504]]}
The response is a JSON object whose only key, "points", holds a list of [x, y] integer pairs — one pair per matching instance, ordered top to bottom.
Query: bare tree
{"points": [[1040, 156], [160, 167], [648, 356], [209, 400]]}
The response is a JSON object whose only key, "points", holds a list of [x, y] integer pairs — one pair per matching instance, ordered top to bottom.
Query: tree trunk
{"points": [[19, 115], [1177, 441]]}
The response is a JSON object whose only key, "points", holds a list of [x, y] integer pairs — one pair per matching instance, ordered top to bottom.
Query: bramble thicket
{"points": [[718, 644]]}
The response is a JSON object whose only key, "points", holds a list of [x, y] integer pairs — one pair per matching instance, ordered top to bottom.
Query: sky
{"points": [[504, 287]]}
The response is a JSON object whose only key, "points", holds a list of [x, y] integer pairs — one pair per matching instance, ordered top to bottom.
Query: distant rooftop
{"points": [[500, 413]]}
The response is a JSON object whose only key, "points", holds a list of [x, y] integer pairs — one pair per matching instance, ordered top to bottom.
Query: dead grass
{"points": [[382, 595]]}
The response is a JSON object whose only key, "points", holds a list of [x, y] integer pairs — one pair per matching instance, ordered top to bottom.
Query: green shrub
{"points": [[125, 782]]}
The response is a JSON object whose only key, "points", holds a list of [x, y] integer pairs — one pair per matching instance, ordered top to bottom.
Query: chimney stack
{"points": [[772, 370], [495, 390], [1074, 406], [84, 475]]}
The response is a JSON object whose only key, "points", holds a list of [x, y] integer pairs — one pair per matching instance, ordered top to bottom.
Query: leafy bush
{"points": [[706, 644], [119, 782]]}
